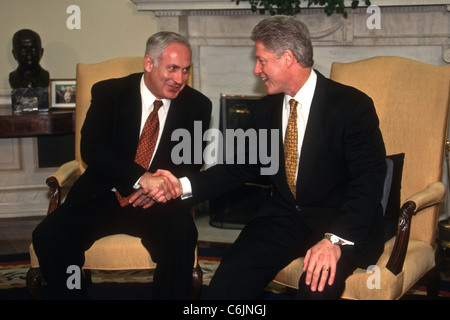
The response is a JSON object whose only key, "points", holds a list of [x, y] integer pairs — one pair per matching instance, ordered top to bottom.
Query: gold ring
{"points": [[325, 269]]}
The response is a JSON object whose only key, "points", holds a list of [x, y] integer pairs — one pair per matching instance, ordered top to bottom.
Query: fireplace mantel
{"points": [[182, 5], [222, 22]]}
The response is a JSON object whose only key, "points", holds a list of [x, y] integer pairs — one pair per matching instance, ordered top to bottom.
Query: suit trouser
{"points": [[170, 236], [265, 246]]}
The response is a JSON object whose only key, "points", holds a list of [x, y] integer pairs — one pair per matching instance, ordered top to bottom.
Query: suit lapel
{"points": [[135, 111], [130, 112], [274, 122], [313, 135]]}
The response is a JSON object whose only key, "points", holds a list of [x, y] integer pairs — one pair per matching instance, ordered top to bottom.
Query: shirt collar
{"points": [[305, 95], [148, 98]]}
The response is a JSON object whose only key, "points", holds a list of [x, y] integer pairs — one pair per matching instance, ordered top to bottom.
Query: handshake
{"points": [[160, 186]]}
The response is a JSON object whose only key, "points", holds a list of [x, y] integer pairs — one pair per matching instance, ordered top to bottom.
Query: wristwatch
{"points": [[336, 240]]}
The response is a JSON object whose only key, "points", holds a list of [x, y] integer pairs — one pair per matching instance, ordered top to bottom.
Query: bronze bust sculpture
{"points": [[28, 51]]}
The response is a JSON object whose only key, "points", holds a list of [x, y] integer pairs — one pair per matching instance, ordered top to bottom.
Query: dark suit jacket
{"points": [[110, 137], [341, 169]]}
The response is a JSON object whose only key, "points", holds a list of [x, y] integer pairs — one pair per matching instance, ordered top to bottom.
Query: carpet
{"points": [[137, 284], [114, 285]]}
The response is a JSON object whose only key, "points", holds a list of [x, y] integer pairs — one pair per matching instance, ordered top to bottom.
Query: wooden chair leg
{"points": [[87, 277], [197, 281], [432, 281], [34, 282]]}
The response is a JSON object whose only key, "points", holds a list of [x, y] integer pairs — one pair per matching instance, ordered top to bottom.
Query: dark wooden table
{"points": [[52, 122]]}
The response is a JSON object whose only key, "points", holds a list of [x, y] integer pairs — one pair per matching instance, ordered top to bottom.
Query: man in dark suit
{"points": [[110, 136], [330, 210]]}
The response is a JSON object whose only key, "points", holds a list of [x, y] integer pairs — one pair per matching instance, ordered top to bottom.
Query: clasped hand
{"points": [[158, 187]]}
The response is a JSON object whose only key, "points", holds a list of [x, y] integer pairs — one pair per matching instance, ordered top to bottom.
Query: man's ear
{"points": [[288, 57], [148, 63]]}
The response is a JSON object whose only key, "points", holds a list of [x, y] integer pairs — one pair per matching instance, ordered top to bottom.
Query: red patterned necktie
{"points": [[147, 142], [291, 147]]}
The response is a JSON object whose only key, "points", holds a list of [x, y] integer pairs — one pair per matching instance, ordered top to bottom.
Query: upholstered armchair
{"points": [[412, 102], [116, 252]]}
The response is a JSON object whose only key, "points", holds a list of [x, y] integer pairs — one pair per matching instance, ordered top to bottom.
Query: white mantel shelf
{"points": [[182, 5], [412, 24]]}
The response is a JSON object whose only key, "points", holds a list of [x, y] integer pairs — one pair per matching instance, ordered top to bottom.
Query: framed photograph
{"points": [[62, 93]]}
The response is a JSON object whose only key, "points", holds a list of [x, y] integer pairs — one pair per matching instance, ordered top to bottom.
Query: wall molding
{"points": [[180, 5]]}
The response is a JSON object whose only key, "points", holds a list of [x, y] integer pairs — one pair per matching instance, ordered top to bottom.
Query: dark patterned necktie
{"points": [[147, 143], [291, 147]]}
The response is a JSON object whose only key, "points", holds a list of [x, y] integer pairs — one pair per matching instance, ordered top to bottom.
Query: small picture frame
{"points": [[63, 93]]}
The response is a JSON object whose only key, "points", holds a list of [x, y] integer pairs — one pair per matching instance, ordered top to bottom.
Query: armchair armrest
{"points": [[66, 173], [432, 195]]}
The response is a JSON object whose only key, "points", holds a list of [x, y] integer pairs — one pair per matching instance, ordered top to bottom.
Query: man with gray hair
{"points": [[127, 136], [326, 203]]}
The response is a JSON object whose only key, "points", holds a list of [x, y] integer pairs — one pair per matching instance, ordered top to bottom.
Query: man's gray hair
{"points": [[280, 32], [158, 42]]}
